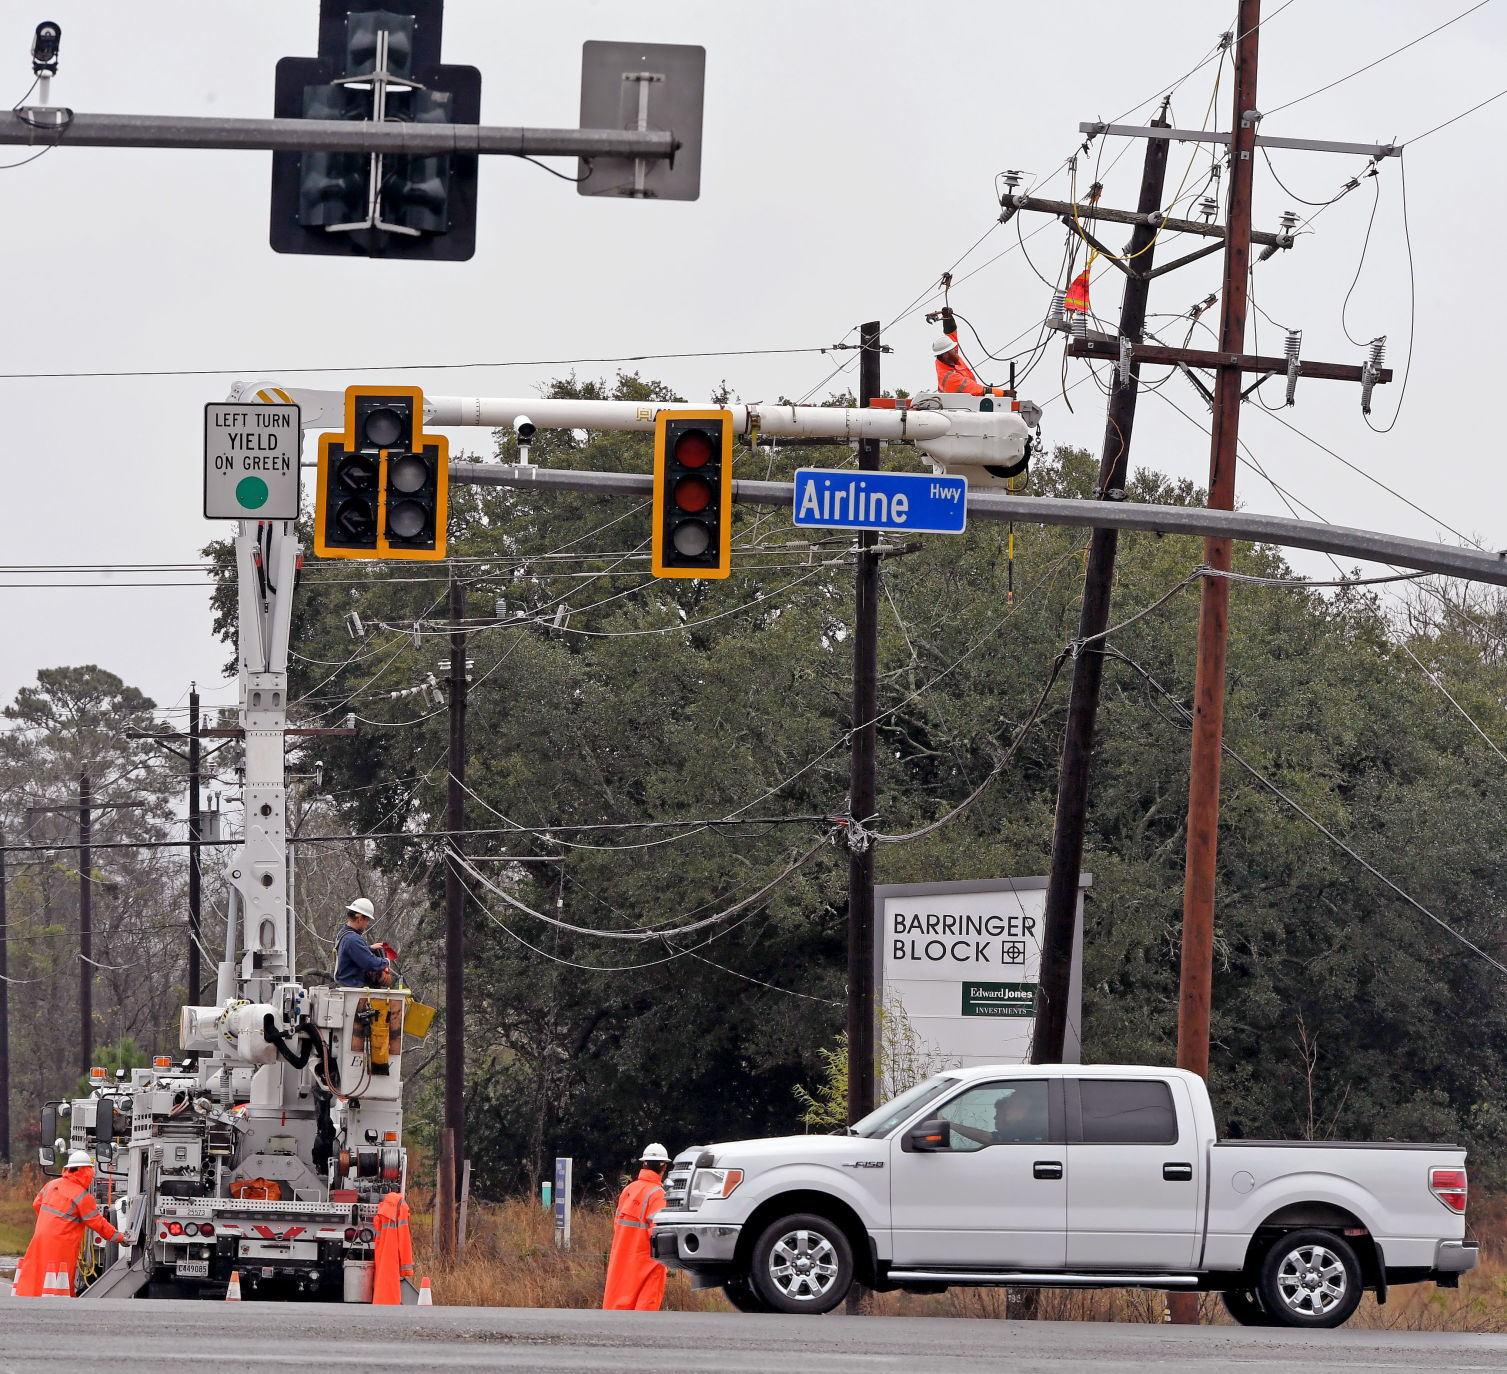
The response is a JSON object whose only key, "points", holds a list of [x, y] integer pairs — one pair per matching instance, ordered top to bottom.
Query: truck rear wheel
{"points": [[802, 1263], [1310, 1278], [743, 1298]]}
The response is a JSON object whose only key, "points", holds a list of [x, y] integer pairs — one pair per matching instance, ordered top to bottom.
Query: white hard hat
{"points": [[943, 345], [362, 907], [655, 1154], [79, 1159]]}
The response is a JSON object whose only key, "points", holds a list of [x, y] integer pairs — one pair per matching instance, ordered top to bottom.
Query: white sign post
{"points": [[251, 453], [960, 961]]}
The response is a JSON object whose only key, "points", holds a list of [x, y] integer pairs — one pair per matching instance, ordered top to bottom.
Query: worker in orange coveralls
{"points": [[953, 374], [64, 1207], [394, 1251], [635, 1279]]}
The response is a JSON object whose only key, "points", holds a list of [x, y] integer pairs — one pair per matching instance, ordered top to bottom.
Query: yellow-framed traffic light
{"points": [[384, 485], [693, 494]]}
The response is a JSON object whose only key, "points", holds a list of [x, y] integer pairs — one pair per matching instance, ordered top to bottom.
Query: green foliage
{"points": [[1337, 1007], [123, 1054]]}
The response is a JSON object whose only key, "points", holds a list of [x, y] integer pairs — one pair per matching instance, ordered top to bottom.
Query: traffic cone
{"points": [[57, 1285], [233, 1292], [426, 1297]]}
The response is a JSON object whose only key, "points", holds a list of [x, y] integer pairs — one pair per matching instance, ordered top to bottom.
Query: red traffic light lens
{"points": [[693, 449], [693, 494]]}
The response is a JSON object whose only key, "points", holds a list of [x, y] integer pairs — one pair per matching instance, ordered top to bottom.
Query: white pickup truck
{"points": [[1066, 1176]]}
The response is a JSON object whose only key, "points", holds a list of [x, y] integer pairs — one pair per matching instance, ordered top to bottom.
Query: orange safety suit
{"points": [[956, 375], [64, 1207], [394, 1251], [635, 1279]]}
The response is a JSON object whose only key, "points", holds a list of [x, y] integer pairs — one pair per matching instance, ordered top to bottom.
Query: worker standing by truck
{"points": [[64, 1207], [394, 1255], [635, 1279]]}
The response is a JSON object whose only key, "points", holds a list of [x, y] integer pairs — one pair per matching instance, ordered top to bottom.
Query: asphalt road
{"points": [[128, 1337]]}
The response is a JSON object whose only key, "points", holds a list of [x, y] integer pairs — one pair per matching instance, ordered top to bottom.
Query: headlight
{"points": [[711, 1183]]}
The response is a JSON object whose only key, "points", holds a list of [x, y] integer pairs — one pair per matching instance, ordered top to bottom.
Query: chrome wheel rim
{"points": [[803, 1265], [1312, 1280]]}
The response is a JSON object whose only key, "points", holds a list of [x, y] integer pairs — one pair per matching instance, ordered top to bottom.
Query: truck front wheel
{"points": [[802, 1263], [1310, 1278], [742, 1297]]}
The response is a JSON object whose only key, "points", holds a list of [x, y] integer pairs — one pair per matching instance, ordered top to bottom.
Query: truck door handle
{"points": [[1047, 1168], [1177, 1173]]}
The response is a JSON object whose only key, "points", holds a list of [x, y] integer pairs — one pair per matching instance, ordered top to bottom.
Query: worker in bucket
{"points": [[953, 374], [357, 964], [64, 1207], [394, 1254], [635, 1279]]}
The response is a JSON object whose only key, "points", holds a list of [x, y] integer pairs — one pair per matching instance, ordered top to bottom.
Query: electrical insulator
{"points": [[1208, 207], [1059, 301], [1080, 325], [1292, 346], [1376, 354]]}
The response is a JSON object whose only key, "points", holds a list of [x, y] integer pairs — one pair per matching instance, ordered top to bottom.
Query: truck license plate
{"points": [[192, 1269]]}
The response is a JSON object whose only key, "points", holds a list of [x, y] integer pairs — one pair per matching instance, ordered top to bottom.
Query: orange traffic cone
{"points": [[57, 1284], [233, 1292], [426, 1297]]}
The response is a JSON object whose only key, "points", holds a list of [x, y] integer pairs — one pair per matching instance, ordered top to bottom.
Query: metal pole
{"points": [[1213, 615], [861, 782], [455, 823], [195, 834], [1061, 916], [85, 923], [4, 1018]]}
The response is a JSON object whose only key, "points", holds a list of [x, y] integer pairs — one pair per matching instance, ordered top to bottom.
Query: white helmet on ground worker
{"points": [[943, 345], [362, 907], [655, 1154], [79, 1159]]}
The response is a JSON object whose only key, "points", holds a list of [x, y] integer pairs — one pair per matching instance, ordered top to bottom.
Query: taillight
{"points": [[1448, 1185], [175, 1228], [190, 1228], [206, 1228], [350, 1233], [368, 1235]]}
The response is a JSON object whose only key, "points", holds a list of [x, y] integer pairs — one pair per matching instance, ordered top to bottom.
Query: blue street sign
{"points": [[831, 498]]}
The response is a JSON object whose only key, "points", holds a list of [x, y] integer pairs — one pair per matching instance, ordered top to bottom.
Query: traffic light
{"points": [[380, 64], [383, 484], [693, 494]]}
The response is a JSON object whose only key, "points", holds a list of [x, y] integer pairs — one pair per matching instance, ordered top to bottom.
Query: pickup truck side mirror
{"points": [[929, 1136]]}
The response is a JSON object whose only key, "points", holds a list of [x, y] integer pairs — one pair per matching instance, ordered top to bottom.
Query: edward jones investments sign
{"points": [[961, 960]]}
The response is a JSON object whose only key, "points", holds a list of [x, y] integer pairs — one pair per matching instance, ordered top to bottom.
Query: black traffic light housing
{"points": [[426, 206], [383, 488], [693, 494]]}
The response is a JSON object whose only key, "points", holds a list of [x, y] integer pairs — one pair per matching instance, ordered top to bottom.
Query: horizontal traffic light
{"points": [[384, 484], [693, 494]]}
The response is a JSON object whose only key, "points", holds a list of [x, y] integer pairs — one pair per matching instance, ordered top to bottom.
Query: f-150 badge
{"points": [[865, 1164]]}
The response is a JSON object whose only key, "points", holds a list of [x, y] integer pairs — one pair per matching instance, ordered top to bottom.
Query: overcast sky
{"points": [[850, 155]]}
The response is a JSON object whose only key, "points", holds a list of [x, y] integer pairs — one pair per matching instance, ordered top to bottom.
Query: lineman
{"points": [[953, 374], [357, 964], [64, 1207], [394, 1251], [635, 1279]]}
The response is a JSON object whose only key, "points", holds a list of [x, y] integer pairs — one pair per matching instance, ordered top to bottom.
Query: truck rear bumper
{"points": [[690, 1246], [1456, 1256]]}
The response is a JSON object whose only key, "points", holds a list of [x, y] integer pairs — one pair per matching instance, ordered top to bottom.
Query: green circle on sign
{"points": [[251, 492]]}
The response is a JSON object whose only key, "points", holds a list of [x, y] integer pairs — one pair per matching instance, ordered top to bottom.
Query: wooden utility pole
{"points": [[1214, 605], [862, 790], [195, 835], [1061, 917], [85, 920], [455, 985], [4, 1017]]}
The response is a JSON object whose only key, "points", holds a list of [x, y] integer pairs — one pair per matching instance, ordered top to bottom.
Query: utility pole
{"points": [[1093, 619], [861, 782], [195, 834], [85, 921], [1197, 974], [455, 987], [4, 1017]]}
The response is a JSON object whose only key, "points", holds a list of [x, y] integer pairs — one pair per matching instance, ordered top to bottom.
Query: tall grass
{"points": [[510, 1260]]}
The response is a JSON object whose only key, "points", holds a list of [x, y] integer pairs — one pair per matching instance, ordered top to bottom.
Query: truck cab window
{"points": [[1120, 1111], [998, 1114]]}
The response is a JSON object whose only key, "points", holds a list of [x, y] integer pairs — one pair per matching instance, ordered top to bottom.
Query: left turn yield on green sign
{"points": [[251, 454]]}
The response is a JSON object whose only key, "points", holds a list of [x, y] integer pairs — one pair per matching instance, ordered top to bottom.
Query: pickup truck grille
{"points": [[678, 1180]]}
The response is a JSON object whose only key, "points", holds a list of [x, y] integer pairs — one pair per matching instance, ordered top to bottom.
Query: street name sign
{"points": [[251, 453], [911, 502]]}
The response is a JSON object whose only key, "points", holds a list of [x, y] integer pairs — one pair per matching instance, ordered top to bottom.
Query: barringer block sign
{"points": [[962, 960]]}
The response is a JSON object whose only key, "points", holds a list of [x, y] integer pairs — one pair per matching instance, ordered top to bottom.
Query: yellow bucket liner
{"points": [[417, 1018]]}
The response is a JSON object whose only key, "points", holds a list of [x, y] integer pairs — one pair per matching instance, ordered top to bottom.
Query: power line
{"points": [[1340, 81], [1456, 119]]}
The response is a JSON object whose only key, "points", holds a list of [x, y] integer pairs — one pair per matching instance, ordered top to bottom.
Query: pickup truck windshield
{"points": [[886, 1118]]}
